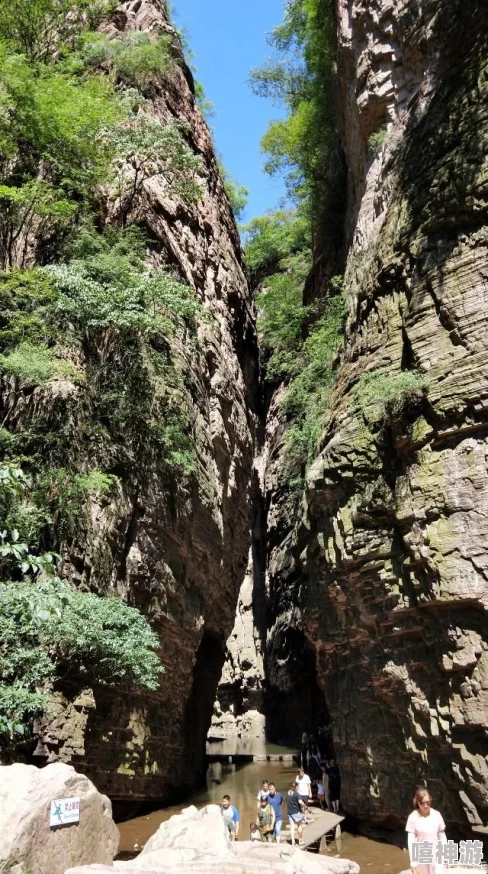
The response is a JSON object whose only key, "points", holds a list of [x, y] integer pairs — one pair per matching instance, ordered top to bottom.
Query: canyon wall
{"points": [[173, 544], [382, 568]]}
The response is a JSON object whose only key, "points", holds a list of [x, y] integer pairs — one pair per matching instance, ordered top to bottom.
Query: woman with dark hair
{"points": [[425, 824]]}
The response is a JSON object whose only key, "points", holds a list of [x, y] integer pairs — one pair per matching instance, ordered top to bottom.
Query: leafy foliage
{"points": [[37, 28], [134, 58], [300, 77], [205, 105], [65, 112], [50, 116], [59, 122], [376, 141], [146, 148], [237, 194], [272, 238], [109, 285], [26, 299], [282, 316], [299, 341], [34, 365], [309, 391], [383, 396], [63, 493], [22, 521], [47, 630]]}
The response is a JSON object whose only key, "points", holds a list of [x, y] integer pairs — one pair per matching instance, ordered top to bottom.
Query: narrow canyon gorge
{"points": [[348, 590]]}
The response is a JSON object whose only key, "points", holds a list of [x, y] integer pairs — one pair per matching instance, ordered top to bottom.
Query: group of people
{"points": [[323, 771], [269, 821], [423, 825]]}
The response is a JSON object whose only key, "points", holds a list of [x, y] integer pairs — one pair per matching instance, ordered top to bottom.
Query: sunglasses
{"points": [[424, 803]]}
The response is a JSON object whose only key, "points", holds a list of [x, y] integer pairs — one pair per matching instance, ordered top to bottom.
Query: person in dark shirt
{"points": [[334, 775], [275, 799], [295, 807], [266, 820]]}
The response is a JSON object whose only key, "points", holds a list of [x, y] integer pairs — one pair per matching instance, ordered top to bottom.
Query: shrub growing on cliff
{"points": [[36, 28], [133, 57], [110, 290], [26, 300], [282, 316], [34, 365], [308, 393], [384, 396], [63, 493], [48, 631]]}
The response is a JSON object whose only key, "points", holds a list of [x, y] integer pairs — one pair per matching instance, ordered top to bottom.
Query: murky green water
{"points": [[242, 785]]}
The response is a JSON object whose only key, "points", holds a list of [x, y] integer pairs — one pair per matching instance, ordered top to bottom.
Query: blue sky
{"points": [[228, 38]]}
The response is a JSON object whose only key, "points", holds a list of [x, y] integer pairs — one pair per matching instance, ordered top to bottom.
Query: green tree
{"points": [[37, 28], [134, 58], [300, 77], [146, 148], [237, 194], [271, 238], [48, 631]]}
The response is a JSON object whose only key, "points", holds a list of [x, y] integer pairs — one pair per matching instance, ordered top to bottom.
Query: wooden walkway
{"points": [[323, 822]]}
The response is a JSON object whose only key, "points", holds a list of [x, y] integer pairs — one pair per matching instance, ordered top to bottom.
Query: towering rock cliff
{"points": [[173, 544], [382, 570]]}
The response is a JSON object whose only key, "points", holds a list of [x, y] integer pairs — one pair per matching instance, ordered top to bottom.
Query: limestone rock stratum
{"points": [[385, 573], [27, 843]]}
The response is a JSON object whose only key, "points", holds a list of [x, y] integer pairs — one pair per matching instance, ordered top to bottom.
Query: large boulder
{"points": [[203, 831], [196, 842], [28, 843]]}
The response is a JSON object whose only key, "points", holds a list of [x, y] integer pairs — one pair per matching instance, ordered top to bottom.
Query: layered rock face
{"points": [[176, 547], [388, 559]]}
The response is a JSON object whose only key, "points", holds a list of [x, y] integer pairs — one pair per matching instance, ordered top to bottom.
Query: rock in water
{"points": [[28, 843]]}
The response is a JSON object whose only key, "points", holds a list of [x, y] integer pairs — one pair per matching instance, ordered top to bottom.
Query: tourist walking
{"points": [[314, 764], [334, 776], [325, 783], [304, 787], [263, 792], [321, 795], [275, 799], [295, 807], [231, 817], [266, 820], [424, 824], [254, 833]]}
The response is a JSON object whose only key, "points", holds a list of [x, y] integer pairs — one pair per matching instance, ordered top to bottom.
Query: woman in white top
{"points": [[425, 824]]}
